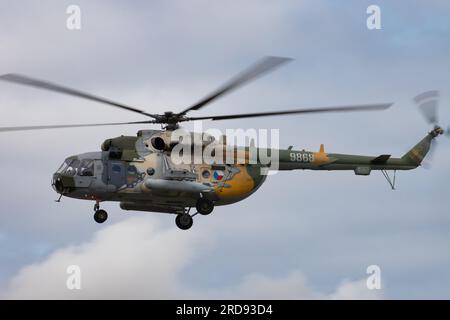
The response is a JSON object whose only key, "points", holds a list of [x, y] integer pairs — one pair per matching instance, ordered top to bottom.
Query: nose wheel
{"points": [[100, 215], [184, 221]]}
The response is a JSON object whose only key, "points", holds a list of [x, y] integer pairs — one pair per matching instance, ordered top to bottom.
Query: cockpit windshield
{"points": [[73, 167]]}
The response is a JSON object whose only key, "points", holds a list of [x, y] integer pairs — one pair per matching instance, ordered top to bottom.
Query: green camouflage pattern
{"points": [[131, 171]]}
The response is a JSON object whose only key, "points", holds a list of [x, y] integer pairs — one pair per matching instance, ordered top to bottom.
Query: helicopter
{"points": [[140, 173]]}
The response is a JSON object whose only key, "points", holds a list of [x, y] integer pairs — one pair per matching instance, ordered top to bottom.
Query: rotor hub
{"points": [[437, 131]]}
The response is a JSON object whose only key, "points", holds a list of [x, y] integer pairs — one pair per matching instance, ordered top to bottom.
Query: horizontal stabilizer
{"points": [[381, 159]]}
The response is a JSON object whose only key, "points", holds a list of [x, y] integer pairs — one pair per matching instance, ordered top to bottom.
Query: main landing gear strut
{"points": [[100, 215], [185, 220]]}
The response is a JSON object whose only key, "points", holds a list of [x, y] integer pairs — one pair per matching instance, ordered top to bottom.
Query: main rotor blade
{"points": [[263, 66], [41, 84], [368, 107], [7, 129]]}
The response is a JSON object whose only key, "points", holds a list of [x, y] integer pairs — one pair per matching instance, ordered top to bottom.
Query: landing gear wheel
{"points": [[204, 206], [100, 216], [184, 221]]}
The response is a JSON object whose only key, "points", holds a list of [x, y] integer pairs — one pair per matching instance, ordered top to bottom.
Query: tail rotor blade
{"points": [[428, 105], [427, 162]]}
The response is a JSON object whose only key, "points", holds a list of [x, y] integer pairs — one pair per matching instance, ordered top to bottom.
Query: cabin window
{"points": [[116, 168], [206, 174]]}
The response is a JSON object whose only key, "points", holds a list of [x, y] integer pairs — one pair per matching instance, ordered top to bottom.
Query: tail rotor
{"points": [[428, 104]]}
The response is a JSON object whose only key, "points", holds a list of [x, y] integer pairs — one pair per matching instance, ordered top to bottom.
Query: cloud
{"points": [[131, 259], [139, 259], [291, 286], [355, 290]]}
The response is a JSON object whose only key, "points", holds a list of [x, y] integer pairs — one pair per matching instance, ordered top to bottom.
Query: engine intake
{"points": [[158, 143]]}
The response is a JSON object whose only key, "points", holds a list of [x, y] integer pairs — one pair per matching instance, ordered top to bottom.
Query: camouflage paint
{"points": [[125, 163]]}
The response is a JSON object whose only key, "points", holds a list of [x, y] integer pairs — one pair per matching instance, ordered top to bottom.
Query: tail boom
{"points": [[361, 165]]}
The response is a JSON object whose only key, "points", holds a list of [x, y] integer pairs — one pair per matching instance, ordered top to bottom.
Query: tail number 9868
{"points": [[305, 157]]}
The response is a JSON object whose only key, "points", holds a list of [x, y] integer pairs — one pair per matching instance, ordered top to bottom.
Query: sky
{"points": [[303, 234]]}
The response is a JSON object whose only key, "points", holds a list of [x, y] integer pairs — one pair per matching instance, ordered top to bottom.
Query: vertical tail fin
{"points": [[416, 155]]}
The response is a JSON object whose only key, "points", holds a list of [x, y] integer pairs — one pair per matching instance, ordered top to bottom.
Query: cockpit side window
{"points": [[72, 167], [86, 168]]}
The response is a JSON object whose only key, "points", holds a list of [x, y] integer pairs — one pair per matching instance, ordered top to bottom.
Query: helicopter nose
{"points": [[57, 183]]}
